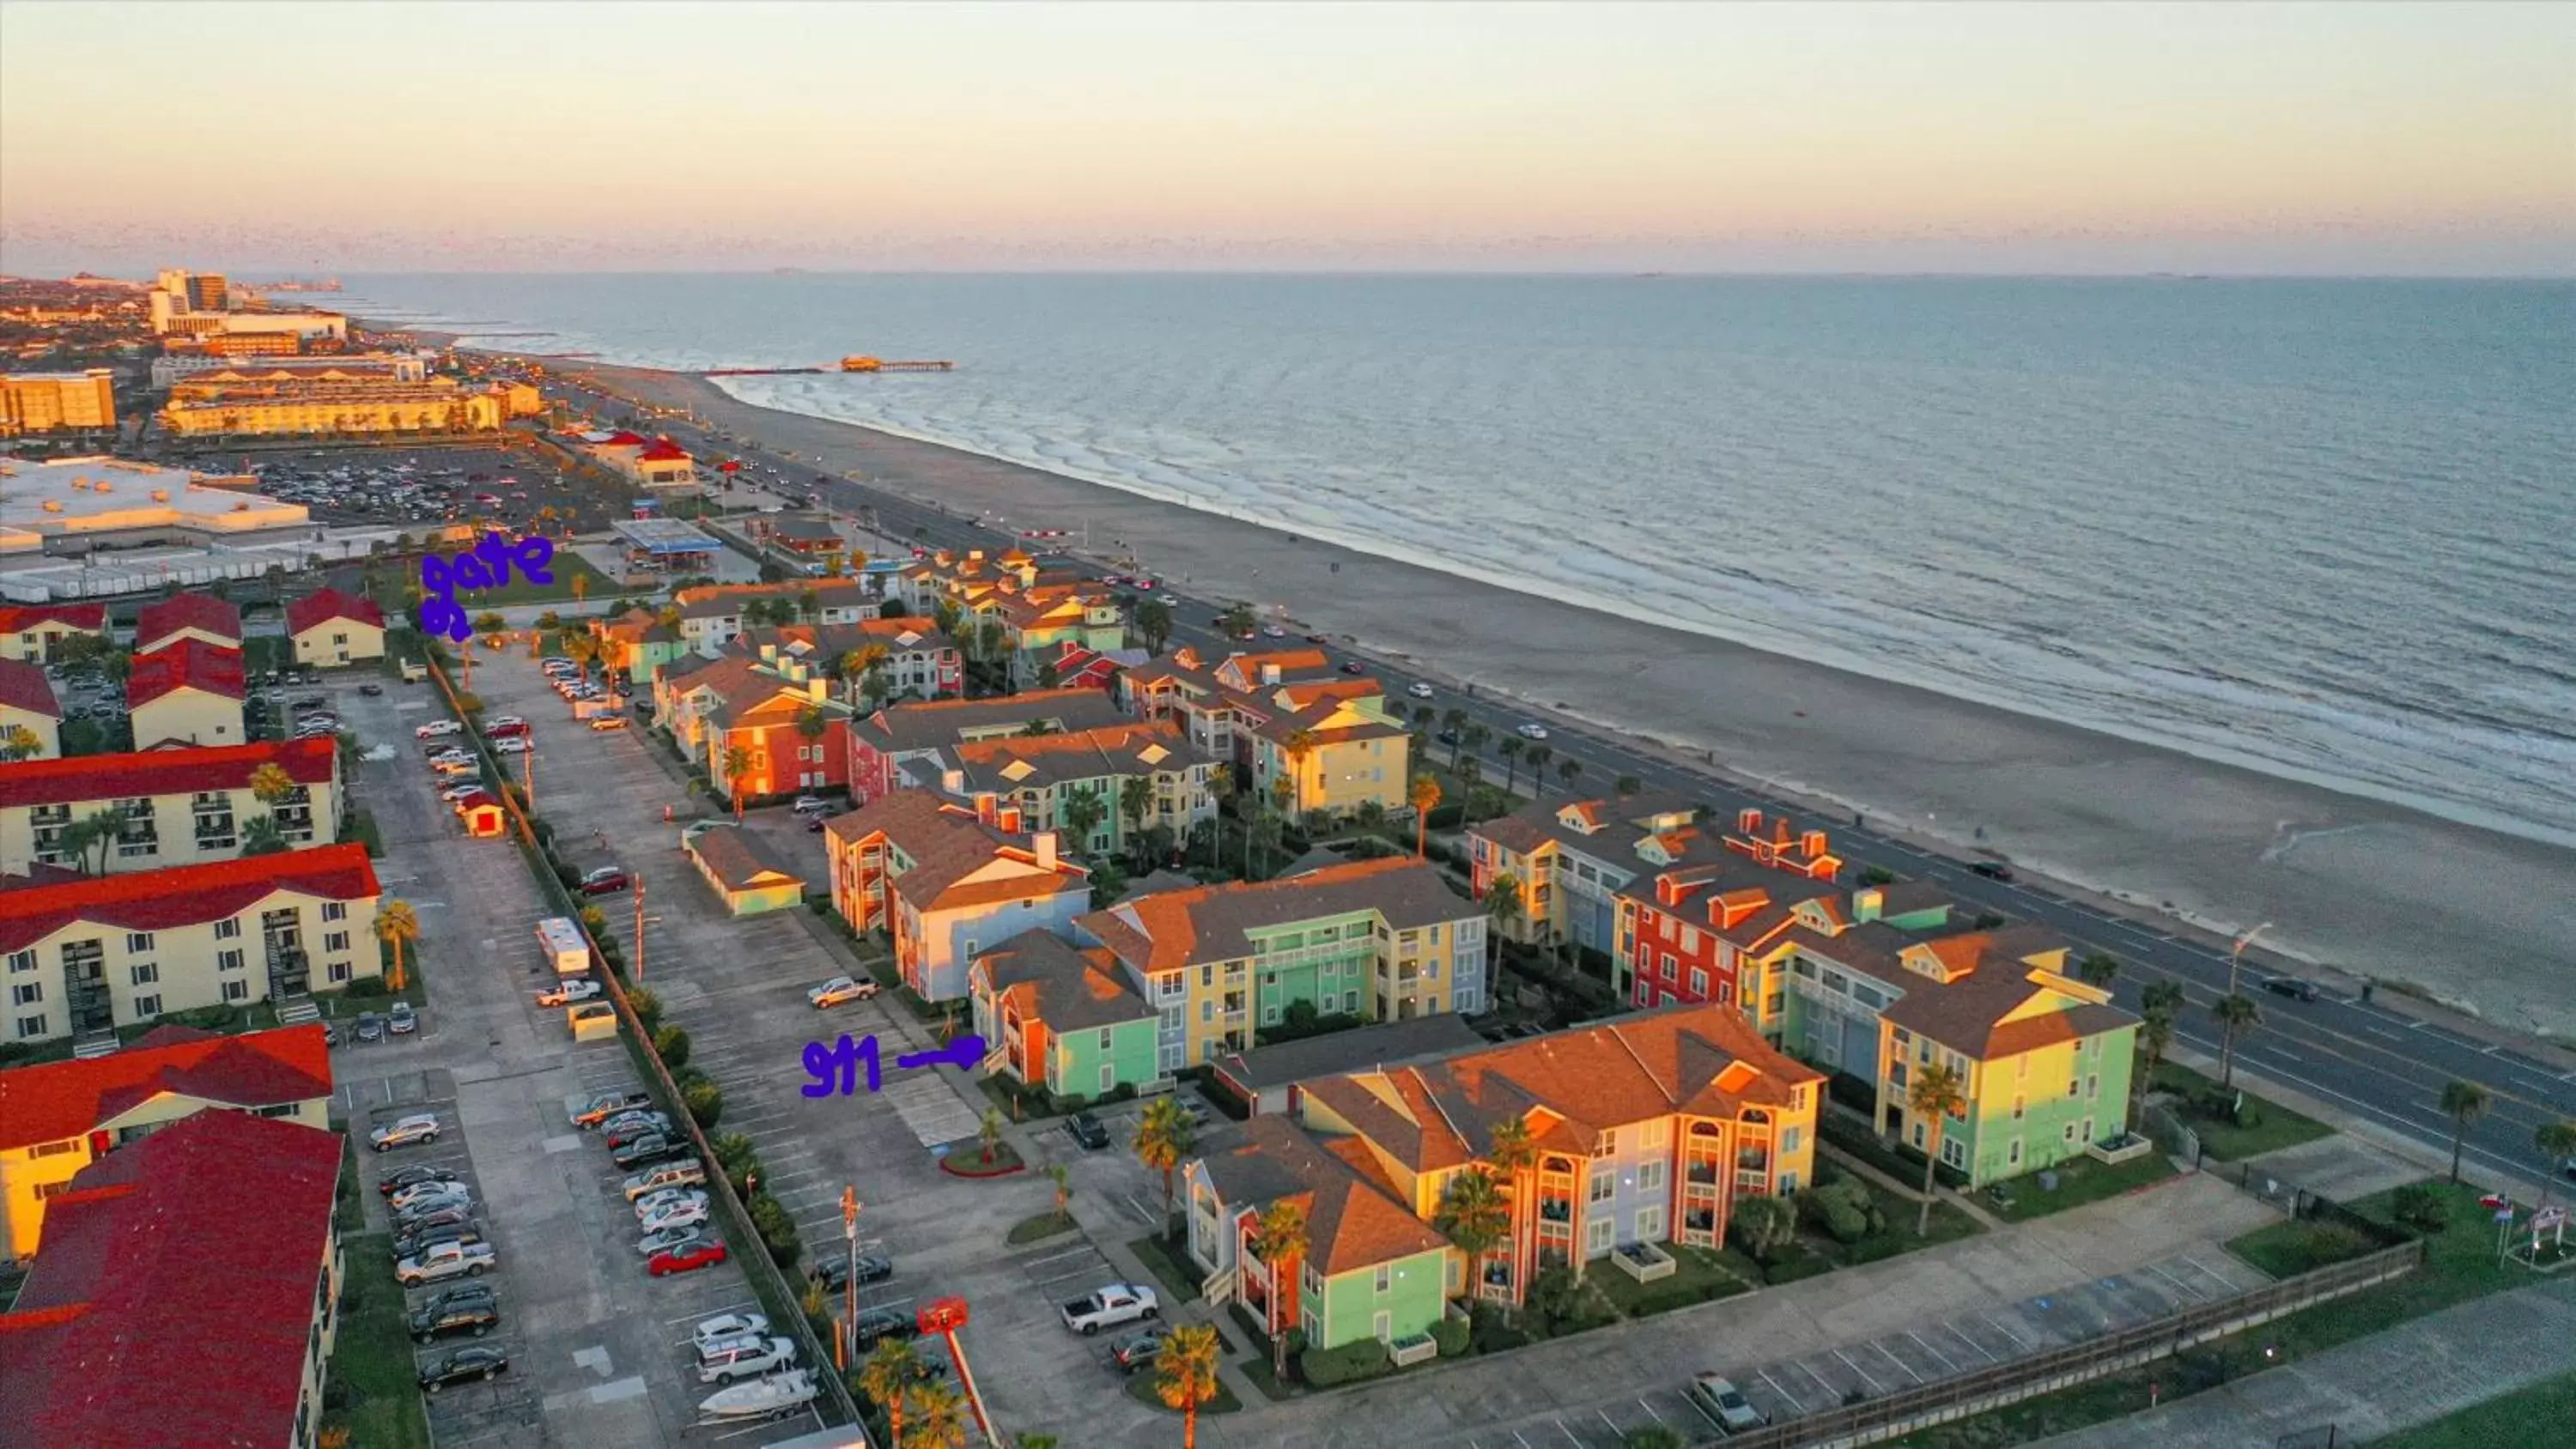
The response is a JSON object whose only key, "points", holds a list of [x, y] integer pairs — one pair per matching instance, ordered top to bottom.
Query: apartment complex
{"points": [[173, 368], [57, 402], [199, 409], [1035, 612], [713, 615], [202, 617], [330, 628], [35, 632], [636, 643], [905, 658], [187, 693], [779, 712], [1284, 715], [31, 718], [914, 746], [1041, 782], [173, 807], [943, 885], [1379, 939], [85, 954], [1063, 1017], [58, 1118], [1641, 1131], [188, 1290]]}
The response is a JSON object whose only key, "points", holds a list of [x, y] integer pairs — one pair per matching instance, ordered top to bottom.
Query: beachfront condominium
{"points": [[57, 402], [203, 409], [1009, 609], [714, 615], [871, 661], [758, 727], [1300, 735], [913, 746], [1106, 789], [170, 807], [943, 885], [1378, 940], [1064, 1017], [1624, 1135]]}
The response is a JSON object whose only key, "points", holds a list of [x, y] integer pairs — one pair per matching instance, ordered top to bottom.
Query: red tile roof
{"points": [[623, 440], [662, 450], [329, 604], [186, 611], [22, 618], [188, 664], [24, 686], [162, 772], [185, 895], [257, 1069], [173, 1300]]}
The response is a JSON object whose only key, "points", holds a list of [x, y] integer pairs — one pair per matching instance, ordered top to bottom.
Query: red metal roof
{"points": [[623, 440], [662, 450], [329, 604], [186, 611], [17, 619], [188, 664], [24, 686], [162, 772], [187, 895], [257, 1069], [173, 1299]]}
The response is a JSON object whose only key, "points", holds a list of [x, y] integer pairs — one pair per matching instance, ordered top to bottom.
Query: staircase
{"points": [[297, 1010]]}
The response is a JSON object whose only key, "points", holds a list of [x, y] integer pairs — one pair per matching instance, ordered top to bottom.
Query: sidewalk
{"points": [[2409, 1375]]}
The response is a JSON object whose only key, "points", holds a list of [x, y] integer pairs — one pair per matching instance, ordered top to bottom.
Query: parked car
{"points": [[1353, 666], [1418, 690], [372, 691], [608, 722], [505, 724], [436, 728], [512, 745], [456, 765], [462, 791], [810, 805], [608, 880], [2292, 987], [579, 988], [839, 989], [400, 1020], [608, 1104], [420, 1127], [1086, 1129], [618, 1131], [646, 1150], [679, 1172], [404, 1177], [446, 1185], [664, 1197], [435, 1213], [686, 1213], [663, 1240], [407, 1245], [687, 1257], [446, 1260], [832, 1269], [472, 1290], [1109, 1306], [476, 1318], [875, 1324], [728, 1326], [1132, 1355], [744, 1358], [466, 1365], [1722, 1401]]}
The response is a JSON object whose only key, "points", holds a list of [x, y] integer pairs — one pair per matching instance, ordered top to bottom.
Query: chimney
{"points": [[768, 653], [1270, 674], [817, 688], [953, 781], [1749, 822], [1780, 833], [1044, 843], [1812, 844], [1668, 889], [1867, 904]]}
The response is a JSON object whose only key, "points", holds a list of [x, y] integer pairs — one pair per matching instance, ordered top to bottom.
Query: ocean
{"points": [[2326, 529]]}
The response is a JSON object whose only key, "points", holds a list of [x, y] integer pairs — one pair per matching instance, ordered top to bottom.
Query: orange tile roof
{"points": [[1172, 929], [58, 1100], [1352, 1221]]}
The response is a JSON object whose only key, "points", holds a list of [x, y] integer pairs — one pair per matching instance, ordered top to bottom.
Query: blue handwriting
{"points": [[487, 566], [835, 1068]]}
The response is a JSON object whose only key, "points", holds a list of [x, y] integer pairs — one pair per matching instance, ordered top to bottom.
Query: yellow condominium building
{"points": [[56, 402], [436, 406]]}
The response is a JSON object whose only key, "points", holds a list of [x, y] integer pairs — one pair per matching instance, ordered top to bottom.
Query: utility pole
{"points": [[528, 770], [639, 928], [2236, 954], [849, 1283]]}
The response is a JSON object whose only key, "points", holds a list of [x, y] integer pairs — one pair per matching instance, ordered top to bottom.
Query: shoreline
{"points": [[2349, 882]]}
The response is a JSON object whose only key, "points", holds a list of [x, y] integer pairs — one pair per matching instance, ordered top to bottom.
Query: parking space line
{"points": [[2189, 1293], [2000, 1327], [1970, 1342], [1891, 1358], [1943, 1358], [1874, 1384], [1794, 1401], [1650, 1411], [1568, 1433]]}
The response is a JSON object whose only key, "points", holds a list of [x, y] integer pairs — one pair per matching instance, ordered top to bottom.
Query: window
{"points": [[335, 910], [228, 929], [1690, 940], [335, 941], [137, 942], [228, 960], [22, 961], [340, 971], [145, 974], [1699, 983], [236, 991], [28, 994], [1350, 1001], [151, 1006], [1207, 1010], [31, 1026], [1104, 1038], [2073, 1087], [2092, 1087], [2016, 1109], [1656, 1134], [2070, 1134], [1788, 1139], [55, 1149], [1954, 1152], [2012, 1153], [1650, 1177], [1604, 1181], [1788, 1184], [45, 1190], [1650, 1224], [1598, 1233], [1384, 1277]]}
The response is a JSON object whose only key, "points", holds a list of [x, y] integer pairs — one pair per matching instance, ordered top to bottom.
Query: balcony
{"points": [[1556, 1210]]}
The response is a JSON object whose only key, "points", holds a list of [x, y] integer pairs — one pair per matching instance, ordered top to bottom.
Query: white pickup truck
{"points": [[446, 1260], [1110, 1306]]}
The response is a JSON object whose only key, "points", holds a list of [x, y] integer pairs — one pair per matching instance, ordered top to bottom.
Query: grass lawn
{"points": [[393, 584], [2279, 1127], [2079, 1181], [1037, 1229], [1168, 1269], [1699, 1276], [373, 1360], [1257, 1369], [1140, 1387], [2532, 1418]]}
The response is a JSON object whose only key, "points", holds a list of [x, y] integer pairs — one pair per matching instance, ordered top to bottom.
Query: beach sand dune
{"points": [[2470, 915]]}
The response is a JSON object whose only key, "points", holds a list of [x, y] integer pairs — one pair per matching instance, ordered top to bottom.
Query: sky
{"points": [[2326, 139]]}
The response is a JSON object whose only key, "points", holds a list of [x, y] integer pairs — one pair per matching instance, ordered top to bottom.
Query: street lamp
{"points": [[2236, 954]]}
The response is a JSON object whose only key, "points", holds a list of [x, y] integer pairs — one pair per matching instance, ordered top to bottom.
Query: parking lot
{"points": [[513, 487], [738, 987], [598, 1349]]}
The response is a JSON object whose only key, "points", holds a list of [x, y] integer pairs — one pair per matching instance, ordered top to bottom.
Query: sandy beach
{"points": [[2473, 917]]}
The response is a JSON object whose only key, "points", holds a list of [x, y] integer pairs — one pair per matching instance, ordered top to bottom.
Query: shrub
{"points": [[1445, 817], [564, 873], [1877, 875], [596, 922], [368, 987], [648, 1006], [671, 1044], [1123, 1092], [705, 1101], [2422, 1207], [1844, 1209], [777, 1230], [1791, 1267], [1492, 1332], [1451, 1334], [1349, 1364]]}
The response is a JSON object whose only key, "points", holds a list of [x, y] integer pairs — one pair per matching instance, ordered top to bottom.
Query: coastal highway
{"points": [[2381, 1065]]}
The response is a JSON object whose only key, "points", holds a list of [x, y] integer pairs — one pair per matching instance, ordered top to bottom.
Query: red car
{"points": [[505, 731], [699, 1254]]}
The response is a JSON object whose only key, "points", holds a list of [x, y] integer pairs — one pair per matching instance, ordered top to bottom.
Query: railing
{"points": [[1977, 1391]]}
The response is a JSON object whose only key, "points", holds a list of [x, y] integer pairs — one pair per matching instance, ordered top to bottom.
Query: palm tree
{"points": [[580, 586], [1154, 623], [858, 667], [811, 722], [1454, 723], [1476, 736], [21, 743], [1300, 745], [1510, 750], [1538, 756], [737, 764], [1569, 769], [1220, 785], [1627, 785], [271, 786], [1424, 797], [1135, 802], [1081, 812], [99, 828], [261, 836], [1504, 906], [397, 926], [2098, 969], [2236, 1015], [2155, 1038], [1936, 1094], [2464, 1103], [989, 1132], [1164, 1137], [2556, 1143], [1513, 1153], [1063, 1179], [1475, 1215], [1279, 1241], [889, 1370], [1185, 1375], [937, 1411]]}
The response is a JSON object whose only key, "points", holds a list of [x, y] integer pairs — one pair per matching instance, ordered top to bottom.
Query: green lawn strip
{"points": [[566, 566], [2277, 1127], [2079, 1181], [1037, 1229], [2459, 1265], [1175, 1276], [1698, 1276], [372, 1360], [1257, 1369], [1140, 1387], [2532, 1418]]}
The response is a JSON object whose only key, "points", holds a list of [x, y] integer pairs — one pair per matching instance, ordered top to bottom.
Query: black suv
{"points": [[2291, 987], [1086, 1129], [832, 1270], [441, 1320], [882, 1323]]}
